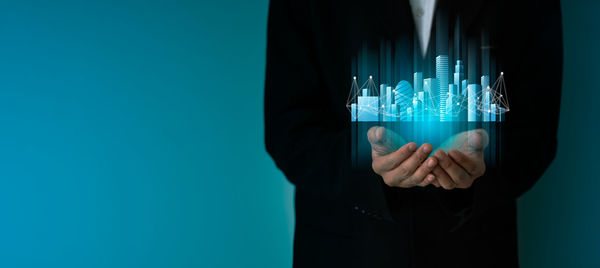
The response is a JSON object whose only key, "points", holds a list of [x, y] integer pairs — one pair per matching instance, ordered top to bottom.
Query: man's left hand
{"points": [[464, 161]]}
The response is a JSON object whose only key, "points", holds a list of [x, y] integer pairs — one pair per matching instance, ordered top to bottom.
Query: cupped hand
{"points": [[463, 163], [400, 164]]}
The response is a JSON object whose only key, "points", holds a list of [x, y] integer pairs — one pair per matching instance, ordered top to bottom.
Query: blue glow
{"points": [[430, 101]]}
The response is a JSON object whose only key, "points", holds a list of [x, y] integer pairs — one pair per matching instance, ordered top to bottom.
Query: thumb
{"points": [[478, 140], [383, 141]]}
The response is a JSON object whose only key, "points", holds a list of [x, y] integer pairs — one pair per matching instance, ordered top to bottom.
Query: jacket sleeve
{"points": [[533, 80], [308, 140]]}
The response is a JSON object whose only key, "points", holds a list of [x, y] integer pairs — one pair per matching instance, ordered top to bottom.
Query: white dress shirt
{"points": [[423, 12]]}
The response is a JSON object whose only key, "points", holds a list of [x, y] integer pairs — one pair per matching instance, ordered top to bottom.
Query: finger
{"points": [[391, 161], [468, 164], [408, 167], [422, 171], [457, 174], [443, 178], [429, 179], [436, 183]]}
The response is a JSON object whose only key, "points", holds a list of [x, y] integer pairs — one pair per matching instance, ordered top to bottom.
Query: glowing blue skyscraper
{"points": [[441, 73], [459, 73], [418, 81], [485, 81], [430, 89], [472, 90], [403, 94], [486, 98], [386, 100], [418, 101], [382, 102], [451, 105], [486, 105], [418, 106], [368, 107], [394, 113]]}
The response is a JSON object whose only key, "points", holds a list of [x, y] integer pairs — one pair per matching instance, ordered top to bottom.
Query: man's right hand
{"points": [[403, 167]]}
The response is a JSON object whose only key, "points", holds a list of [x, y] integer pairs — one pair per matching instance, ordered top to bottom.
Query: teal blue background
{"points": [[132, 136], [559, 218]]}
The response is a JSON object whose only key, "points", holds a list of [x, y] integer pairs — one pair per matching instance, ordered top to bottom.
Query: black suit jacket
{"points": [[348, 217]]}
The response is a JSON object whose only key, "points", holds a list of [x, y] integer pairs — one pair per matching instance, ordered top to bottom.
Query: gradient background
{"points": [[132, 136]]}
